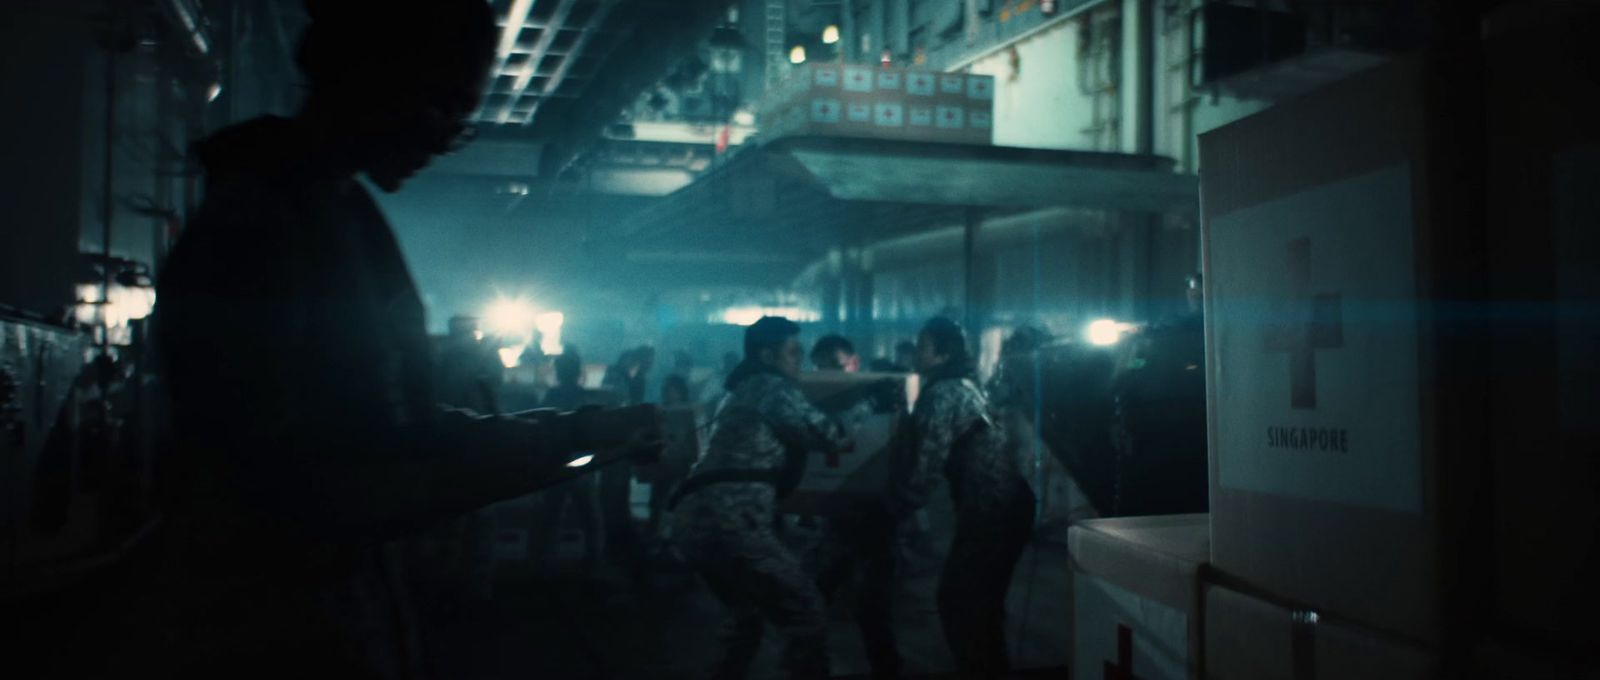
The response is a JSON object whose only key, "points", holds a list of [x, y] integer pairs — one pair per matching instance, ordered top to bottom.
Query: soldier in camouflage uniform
{"points": [[954, 439], [724, 520]]}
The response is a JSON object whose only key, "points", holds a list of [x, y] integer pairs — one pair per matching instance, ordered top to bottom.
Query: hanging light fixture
{"points": [[830, 35], [797, 54]]}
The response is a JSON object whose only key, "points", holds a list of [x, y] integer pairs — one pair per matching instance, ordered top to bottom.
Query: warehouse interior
{"points": [[1283, 312]]}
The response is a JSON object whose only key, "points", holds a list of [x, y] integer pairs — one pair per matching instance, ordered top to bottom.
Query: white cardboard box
{"points": [[1315, 349], [1402, 391], [834, 482], [1136, 589], [1251, 639]]}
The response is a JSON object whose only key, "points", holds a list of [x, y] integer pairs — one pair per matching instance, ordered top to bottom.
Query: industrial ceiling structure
{"points": [[547, 50], [565, 69]]}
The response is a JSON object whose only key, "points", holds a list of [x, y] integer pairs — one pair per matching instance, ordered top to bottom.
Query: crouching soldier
{"points": [[725, 512]]}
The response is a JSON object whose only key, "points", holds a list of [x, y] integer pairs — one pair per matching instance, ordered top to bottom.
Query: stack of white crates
{"points": [[846, 100]]}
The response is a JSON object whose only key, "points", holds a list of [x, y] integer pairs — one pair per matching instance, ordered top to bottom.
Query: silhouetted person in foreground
{"points": [[304, 414]]}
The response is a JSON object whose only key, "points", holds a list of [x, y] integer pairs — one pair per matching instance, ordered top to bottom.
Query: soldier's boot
{"points": [[741, 641], [806, 657]]}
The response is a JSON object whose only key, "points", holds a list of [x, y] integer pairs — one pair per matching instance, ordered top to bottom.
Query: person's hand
{"points": [[887, 395], [876, 517]]}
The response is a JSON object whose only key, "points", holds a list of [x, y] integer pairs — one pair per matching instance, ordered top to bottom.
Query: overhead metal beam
{"points": [[516, 19], [546, 37], [659, 37], [560, 75]]}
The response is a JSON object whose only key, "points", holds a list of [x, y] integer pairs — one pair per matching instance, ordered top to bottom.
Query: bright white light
{"points": [[830, 35], [797, 54], [213, 92], [744, 117], [130, 303], [125, 304], [87, 311], [744, 316], [509, 318], [549, 325], [1106, 332], [511, 357], [581, 461]]}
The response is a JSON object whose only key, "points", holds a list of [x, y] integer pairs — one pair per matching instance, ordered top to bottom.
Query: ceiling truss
{"points": [[548, 49]]}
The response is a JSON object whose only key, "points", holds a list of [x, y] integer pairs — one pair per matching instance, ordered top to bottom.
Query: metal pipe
{"points": [[190, 23], [898, 28], [1145, 34], [849, 42], [108, 202], [969, 258]]}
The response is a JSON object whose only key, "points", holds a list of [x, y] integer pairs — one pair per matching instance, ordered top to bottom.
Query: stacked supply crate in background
{"points": [[882, 103], [1402, 400]]}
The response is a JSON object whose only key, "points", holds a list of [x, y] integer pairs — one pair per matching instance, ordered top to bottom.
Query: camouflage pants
{"points": [[859, 546], [977, 575], [756, 576]]}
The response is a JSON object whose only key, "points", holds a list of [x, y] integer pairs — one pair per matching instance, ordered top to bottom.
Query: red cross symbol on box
{"points": [[1317, 323], [1123, 668]]}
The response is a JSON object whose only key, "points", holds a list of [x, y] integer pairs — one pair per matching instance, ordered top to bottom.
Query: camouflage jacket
{"points": [[757, 423], [954, 439]]}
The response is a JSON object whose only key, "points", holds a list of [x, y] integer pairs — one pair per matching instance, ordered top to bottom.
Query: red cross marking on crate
{"points": [[1317, 323], [1123, 668]]}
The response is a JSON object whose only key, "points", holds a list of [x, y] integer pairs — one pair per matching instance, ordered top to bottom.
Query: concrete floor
{"points": [[664, 626]]}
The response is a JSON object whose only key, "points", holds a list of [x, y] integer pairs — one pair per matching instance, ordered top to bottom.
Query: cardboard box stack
{"points": [[885, 103], [1316, 243], [1364, 382], [836, 483], [1136, 596], [1248, 637]]}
